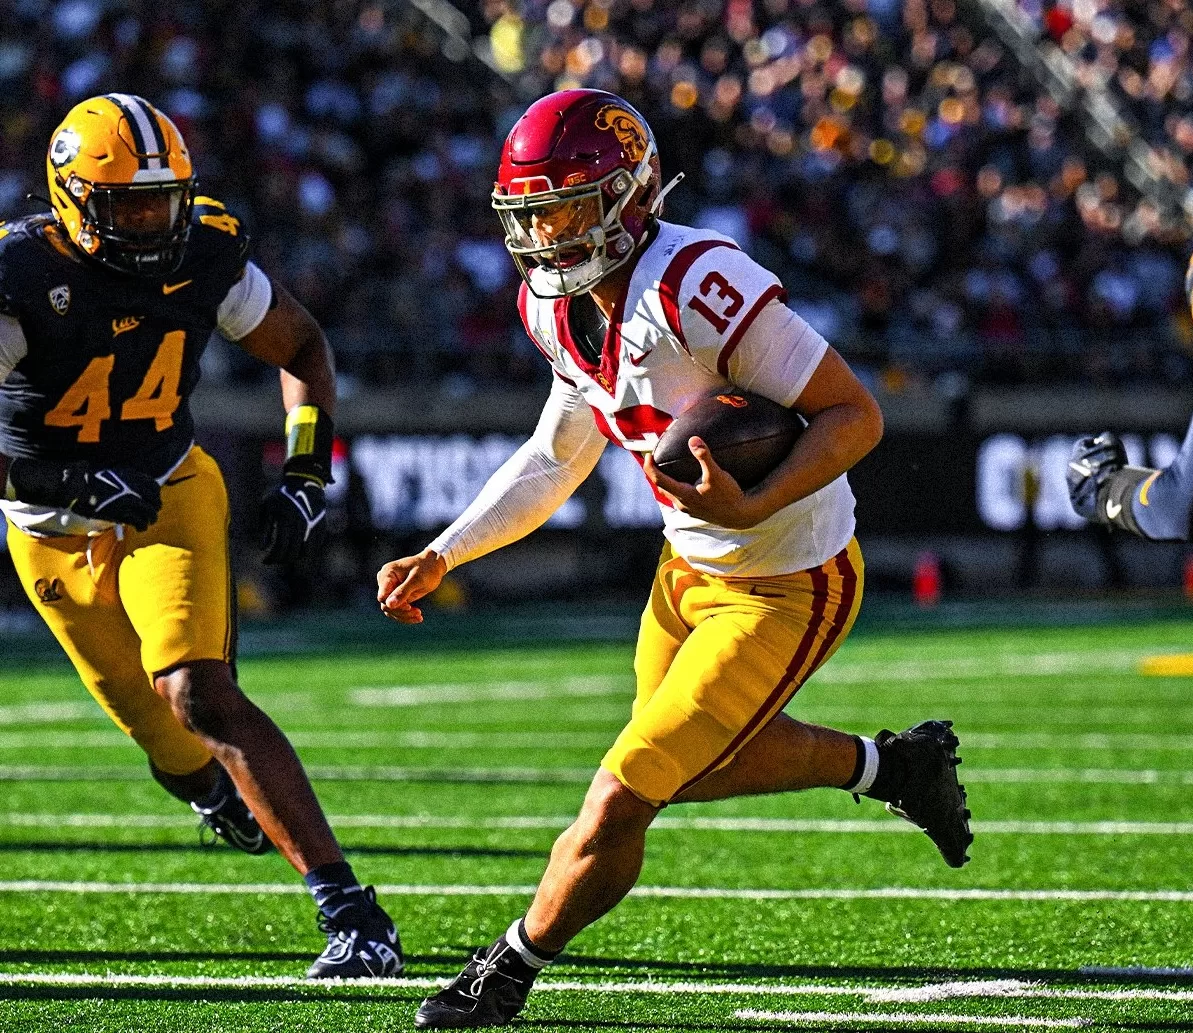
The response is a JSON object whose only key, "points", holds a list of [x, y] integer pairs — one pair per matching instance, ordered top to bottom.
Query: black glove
{"points": [[1093, 461], [118, 494], [293, 518]]}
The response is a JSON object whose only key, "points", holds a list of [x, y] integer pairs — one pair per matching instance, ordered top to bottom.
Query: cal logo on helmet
{"points": [[65, 148], [60, 298]]}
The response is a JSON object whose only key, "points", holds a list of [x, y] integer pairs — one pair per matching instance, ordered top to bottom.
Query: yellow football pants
{"points": [[126, 609], [717, 658]]}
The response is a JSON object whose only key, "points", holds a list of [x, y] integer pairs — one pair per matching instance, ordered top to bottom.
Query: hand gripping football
{"points": [[747, 434]]}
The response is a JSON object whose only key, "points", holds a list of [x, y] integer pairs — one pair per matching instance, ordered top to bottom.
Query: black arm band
{"points": [[309, 437], [41, 482], [1117, 496]]}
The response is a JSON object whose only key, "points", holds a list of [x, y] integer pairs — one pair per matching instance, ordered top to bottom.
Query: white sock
{"points": [[869, 768], [513, 937]]}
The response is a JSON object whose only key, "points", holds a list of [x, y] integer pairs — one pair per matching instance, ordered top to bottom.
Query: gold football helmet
{"points": [[122, 184]]}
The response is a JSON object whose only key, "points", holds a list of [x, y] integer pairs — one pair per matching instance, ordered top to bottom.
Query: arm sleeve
{"points": [[245, 304], [733, 320], [13, 346], [534, 482], [1162, 501]]}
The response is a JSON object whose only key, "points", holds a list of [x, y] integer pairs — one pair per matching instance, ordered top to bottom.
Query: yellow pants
{"points": [[127, 609], [717, 658]]}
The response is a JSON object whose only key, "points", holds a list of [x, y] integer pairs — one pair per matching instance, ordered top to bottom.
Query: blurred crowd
{"points": [[931, 209]]}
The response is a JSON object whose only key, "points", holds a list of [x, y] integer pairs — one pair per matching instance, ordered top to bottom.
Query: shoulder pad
{"points": [[212, 220], [23, 257]]}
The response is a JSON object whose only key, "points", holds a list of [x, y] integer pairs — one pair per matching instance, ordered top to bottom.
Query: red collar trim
{"points": [[604, 372]]}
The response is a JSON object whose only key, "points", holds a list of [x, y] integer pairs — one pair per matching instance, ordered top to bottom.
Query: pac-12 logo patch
{"points": [[65, 148], [60, 298], [49, 590]]}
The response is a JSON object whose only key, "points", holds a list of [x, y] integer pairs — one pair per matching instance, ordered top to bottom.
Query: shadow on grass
{"points": [[383, 850], [67, 957], [704, 971], [207, 994], [823, 1025]]}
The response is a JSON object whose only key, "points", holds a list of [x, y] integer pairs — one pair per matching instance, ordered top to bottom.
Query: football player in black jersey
{"points": [[1153, 504], [118, 521]]}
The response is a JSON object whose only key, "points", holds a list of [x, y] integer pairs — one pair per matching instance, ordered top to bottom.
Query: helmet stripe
{"points": [[142, 125]]}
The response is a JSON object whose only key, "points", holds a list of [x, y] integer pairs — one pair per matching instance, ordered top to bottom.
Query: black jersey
{"points": [[113, 358]]}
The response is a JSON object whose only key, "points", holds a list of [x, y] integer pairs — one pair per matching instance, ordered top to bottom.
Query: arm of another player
{"points": [[267, 322], [534, 482], [1153, 504]]}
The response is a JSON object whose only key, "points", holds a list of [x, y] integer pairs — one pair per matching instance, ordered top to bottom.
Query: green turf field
{"points": [[448, 772]]}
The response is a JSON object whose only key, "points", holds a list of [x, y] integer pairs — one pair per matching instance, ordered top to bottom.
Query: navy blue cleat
{"points": [[230, 819], [362, 942]]}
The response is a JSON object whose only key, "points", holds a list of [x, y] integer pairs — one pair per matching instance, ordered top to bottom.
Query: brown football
{"points": [[748, 436]]}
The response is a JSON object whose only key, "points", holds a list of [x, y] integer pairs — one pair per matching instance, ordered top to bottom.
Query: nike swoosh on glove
{"points": [[1091, 462], [119, 495], [293, 519]]}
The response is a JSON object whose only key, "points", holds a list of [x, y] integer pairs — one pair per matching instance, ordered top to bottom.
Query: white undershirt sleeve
{"points": [[245, 304], [13, 346], [534, 482]]}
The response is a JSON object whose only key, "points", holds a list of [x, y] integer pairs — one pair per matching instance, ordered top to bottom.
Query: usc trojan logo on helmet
{"points": [[629, 131], [121, 184]]}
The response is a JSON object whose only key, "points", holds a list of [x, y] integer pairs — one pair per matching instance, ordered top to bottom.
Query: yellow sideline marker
{"points": [[1177, 665]]}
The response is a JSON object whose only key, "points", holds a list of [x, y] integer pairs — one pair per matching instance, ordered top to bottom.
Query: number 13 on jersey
{"points": [[87, 402]]}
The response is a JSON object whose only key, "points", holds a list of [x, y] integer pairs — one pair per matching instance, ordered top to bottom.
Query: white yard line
{"points": [[484, 692], [46, 713], [418, 739], [340, 740], [572, 775], [784, 826], [670, 892], [1021, 988], [875, 995], [936, 1021]]}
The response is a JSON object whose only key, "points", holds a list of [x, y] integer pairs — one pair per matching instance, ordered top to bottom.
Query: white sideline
{"points": [[574, 775], [18, 819], [670, 892], [873, 995], [939, 1021]]}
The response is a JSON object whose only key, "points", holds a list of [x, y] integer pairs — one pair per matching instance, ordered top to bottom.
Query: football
{"points": [[748, 436]]}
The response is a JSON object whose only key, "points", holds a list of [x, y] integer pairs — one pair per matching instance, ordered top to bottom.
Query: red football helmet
{"points": [[577, 189]]}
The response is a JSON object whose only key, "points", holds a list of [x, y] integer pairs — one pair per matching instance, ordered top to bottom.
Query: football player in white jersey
{"points": [[755, 589]]}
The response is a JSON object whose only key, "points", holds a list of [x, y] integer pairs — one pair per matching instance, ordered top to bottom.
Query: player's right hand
{"points": [[1092, 461], [118, 494], [401, 583]]}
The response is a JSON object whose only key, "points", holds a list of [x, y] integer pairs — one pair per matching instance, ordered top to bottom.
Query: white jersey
{"points": [[700, 314]]}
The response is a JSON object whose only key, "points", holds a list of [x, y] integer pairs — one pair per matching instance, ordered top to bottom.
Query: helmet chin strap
{"points": [[657, 206]]}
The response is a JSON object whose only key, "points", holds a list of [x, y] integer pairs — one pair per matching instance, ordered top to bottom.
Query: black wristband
{"points": [[42, 482], [1117, 496]]}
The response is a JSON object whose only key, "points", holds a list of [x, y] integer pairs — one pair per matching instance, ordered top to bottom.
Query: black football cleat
{"points": [[917, 779], [232, 821], [362, 942], [490, 991]]}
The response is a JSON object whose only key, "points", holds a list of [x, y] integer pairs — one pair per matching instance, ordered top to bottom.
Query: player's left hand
{"points": [[1092, 461], [716, 497], [293, 519]]}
